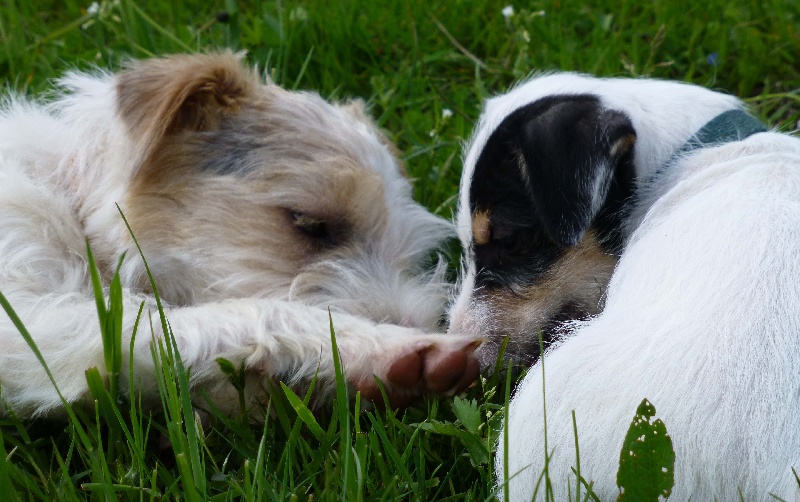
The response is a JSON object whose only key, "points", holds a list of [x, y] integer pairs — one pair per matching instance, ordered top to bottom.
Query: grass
{"points": [[424, 68]]}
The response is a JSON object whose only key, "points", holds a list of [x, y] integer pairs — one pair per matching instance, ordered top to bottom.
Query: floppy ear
{"points": [[164, 96], [569, 148]]}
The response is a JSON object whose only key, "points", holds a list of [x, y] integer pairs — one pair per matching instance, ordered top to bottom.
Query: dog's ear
{"points": [[164, 96], [569, 149]]}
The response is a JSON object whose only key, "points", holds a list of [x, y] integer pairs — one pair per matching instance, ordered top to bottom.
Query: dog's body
{"points": [[258, 209], [702, 312]]}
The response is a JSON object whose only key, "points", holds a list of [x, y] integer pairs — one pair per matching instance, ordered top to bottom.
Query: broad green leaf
{"points": [[226, 367], [467, 413], [478, 452], [647, 460]]}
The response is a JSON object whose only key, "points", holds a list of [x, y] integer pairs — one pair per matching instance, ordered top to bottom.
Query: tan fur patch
{"points": [[163, 96], [622, 145], [481, 227], [579, 278]]}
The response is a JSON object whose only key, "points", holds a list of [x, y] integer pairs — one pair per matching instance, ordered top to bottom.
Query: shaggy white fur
{"points": [[257, 209], [701, 315]]}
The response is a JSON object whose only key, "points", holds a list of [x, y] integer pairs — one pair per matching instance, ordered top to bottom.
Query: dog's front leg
{"points": [[65, 328], [274, 339], [292, 342]]}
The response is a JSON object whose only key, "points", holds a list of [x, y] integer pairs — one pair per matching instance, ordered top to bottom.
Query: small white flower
{"points": [[93, 9], [508, 11], [298, 14], [447, 113], [432, 134]]}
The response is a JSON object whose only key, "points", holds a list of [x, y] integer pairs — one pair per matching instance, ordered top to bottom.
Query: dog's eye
{"points": [[312, 227], [504, 236], [509, 241]]}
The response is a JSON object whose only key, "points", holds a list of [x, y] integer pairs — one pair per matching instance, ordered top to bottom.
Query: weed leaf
{"points": [[467, 413], [647, 460]]}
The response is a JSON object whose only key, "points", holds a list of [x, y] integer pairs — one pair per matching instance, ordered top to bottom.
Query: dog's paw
{"points": [[444, 365]]}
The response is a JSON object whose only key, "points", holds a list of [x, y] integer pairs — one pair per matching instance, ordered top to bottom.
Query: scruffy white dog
{"points": [[257, 209], [681, 214]]}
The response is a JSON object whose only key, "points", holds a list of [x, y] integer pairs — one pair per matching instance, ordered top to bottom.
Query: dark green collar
{"points": [[727, 127]]}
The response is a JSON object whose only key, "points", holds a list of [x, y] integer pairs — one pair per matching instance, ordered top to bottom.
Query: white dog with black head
{"points": [[258, 210], [665, 222]]}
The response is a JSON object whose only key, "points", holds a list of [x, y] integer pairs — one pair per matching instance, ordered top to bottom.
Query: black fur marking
{"points": [[227, 153], [541, 176]]}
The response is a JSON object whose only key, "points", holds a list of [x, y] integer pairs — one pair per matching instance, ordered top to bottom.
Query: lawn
{"points": [[424, 68]]}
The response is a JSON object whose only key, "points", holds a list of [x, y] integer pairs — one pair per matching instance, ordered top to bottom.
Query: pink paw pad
{"points": [[432, 369]]}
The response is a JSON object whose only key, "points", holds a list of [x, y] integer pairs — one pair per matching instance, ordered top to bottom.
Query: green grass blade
{"points": [[163, 31], [303, 69], [97, 285], [102, 312], [114, 321], [97, 388], [179, 405], [343, 411], [303, 412], [505, 428], [138, 442], [390, 449], [577, 458], [5, 479], [260, 481], [66, 486], [548, 486], [189, 488]]}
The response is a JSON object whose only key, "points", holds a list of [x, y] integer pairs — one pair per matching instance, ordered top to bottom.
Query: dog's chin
{"points": [[522, 344]]}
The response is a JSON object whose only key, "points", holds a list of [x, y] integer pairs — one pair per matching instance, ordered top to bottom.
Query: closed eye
{"points": [[312, 227], [505, 236], [508, 241]]}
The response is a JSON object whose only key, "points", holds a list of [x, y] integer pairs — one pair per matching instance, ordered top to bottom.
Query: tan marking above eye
{"points": [[622, 145], [481, 227]]}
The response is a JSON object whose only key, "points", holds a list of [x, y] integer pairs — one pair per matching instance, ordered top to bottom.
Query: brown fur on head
{"points": [[169, 95], [242, 188]]}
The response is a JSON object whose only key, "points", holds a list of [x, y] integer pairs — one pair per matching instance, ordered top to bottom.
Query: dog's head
{"points": [[239, 188], [545, 197]]}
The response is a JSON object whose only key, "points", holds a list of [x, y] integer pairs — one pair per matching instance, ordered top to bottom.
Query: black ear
{"points": [[568, 149]]}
